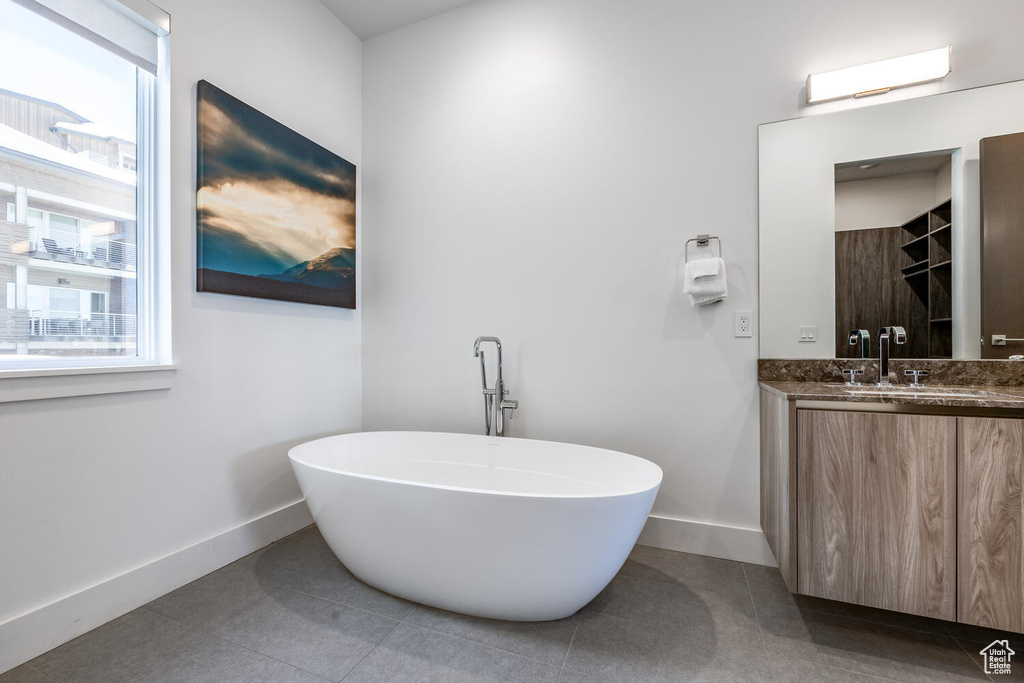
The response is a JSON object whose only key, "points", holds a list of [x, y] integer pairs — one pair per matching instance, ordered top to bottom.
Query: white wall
{"points": [[533, 169], [944, 182], [885, 202], [94, 487]]}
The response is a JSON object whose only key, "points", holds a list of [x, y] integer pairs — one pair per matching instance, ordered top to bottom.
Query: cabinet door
{"points": [[877, 510], [991, 570]]}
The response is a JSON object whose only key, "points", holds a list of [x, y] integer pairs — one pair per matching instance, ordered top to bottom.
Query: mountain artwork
{"points": [[275, 212]]}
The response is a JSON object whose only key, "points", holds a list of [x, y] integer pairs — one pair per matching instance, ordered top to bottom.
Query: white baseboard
{"points": [[702, 538], [39, 630]]}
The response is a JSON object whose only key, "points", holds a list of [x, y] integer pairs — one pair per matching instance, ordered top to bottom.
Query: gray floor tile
{"points": [[306, 533], [305, 563], [695, 571], [767, 587], [208, 601], [707, 617], [315, 635], [983, 635], [545, 641], [863, 646], [608, 648], [117, 650], [417, 655], [212, 660], [788, 670], [25, 674], [567, 676]]}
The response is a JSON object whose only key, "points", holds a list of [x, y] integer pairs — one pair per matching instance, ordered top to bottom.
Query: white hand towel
{"points": [[704, 281]]}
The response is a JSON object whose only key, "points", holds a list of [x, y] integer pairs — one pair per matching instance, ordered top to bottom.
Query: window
{"points": [[78, 146]]}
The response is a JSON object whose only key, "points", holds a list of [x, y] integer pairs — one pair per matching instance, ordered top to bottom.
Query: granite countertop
{"points": [[990, 396]]}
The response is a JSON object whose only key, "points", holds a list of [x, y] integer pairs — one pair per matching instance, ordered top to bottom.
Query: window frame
{"points": [[27, 378]]}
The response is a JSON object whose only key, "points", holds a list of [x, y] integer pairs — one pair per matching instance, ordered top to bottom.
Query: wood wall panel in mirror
{"points": [[873, 217]]}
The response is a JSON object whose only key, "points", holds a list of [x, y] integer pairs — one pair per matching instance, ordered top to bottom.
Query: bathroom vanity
{"points": [[905, 218], [906, 501]]}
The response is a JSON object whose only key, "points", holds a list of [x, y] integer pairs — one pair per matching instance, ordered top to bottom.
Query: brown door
{"points": [[1002, 244]]}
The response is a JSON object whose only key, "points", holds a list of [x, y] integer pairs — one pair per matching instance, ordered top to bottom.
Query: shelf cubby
{"points": [[941, 215], [918, 227], [940, 246], [928, 248], [918, 268]]}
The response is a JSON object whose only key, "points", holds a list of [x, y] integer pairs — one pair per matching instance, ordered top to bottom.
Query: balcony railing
{"points": [[75, 247], [60, 324]]}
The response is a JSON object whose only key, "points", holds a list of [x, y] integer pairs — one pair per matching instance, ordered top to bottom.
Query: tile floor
{"points": [[292, 613]]}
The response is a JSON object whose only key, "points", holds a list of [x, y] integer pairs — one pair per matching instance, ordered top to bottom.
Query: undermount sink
{"points": [[924, 392]]}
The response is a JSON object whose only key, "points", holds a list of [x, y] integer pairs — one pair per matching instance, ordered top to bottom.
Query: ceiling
{"points": [[369, 18], [883, 168]]}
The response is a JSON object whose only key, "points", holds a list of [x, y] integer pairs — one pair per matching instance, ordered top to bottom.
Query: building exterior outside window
{"points": [[69, 262]]}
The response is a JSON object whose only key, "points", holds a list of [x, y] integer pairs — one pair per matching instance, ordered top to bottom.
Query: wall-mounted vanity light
{"points": [[879, 77]]}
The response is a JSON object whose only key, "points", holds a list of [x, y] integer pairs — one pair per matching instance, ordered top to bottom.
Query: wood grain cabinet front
{"points": [[877, 510], [990, 511]]}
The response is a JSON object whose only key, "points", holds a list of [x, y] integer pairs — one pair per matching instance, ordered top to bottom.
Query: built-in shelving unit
{"points": [[928, 244]]}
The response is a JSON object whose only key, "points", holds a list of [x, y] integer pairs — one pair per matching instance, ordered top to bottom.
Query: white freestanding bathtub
{"points": [[494, 527]]}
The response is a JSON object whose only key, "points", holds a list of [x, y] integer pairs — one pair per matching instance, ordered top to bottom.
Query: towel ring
{"points": [[702, 241]]}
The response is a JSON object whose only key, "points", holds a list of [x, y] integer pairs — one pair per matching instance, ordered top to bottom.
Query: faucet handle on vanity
{"points": [[917, 374], [851, 376]]}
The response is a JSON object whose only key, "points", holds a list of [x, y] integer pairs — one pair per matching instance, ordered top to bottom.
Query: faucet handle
{"points": [[917, 374], [851, 376], [510, 406]]}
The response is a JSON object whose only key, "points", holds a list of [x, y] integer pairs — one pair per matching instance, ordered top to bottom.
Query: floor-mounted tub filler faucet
{"points": [[895, 334], [494, 410]]}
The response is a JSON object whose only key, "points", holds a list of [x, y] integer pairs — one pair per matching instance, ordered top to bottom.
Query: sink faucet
{"points": [[896, 334], [863, 338], [494, 408]]}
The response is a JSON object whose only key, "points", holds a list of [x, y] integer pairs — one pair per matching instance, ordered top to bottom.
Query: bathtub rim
{"points": [[464, 489]]}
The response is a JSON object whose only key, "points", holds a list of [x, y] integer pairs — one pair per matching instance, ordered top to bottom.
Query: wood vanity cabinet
{"points": [[876, 499], [907, 511], [989, 545]]}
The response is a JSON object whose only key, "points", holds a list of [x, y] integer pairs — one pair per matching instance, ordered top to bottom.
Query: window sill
{"points": [[36, 384]]}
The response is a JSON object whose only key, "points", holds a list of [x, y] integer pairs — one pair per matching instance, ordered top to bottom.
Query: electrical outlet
{"points": [[744, 324], [808, 333]]}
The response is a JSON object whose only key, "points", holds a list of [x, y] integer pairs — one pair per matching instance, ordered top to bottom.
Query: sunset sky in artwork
{"points": [[268, 198]]}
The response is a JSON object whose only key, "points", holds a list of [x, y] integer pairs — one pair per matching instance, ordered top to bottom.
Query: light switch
{"points": [[808, 333]]}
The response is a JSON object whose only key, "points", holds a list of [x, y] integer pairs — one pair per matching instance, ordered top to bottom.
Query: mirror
{"points": [[826, 182]]}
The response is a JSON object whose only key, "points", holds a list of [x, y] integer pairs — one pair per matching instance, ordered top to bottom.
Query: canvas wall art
{"points": [[276, 212]]}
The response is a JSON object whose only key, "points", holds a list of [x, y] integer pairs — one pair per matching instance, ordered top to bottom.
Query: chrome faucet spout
{"points": [[895, 334], [862, 338], [481, 340]]}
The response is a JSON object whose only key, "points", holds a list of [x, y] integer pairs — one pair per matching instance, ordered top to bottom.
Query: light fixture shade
{"points": [[879, 76]]}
